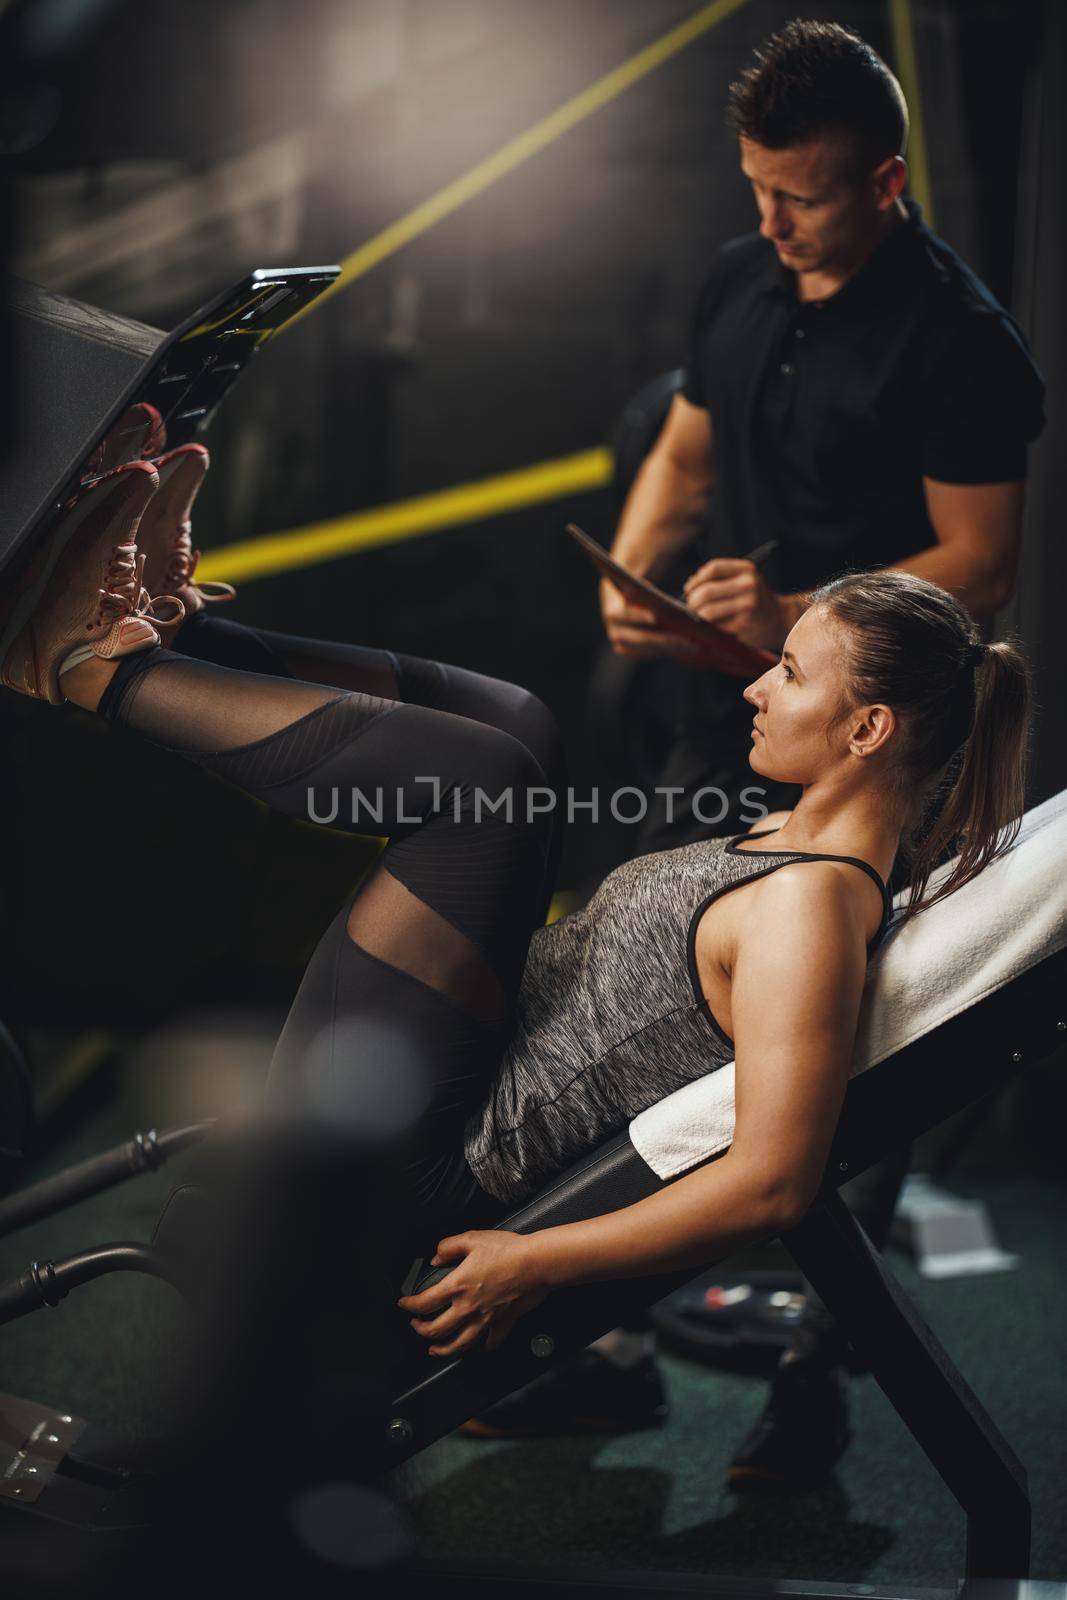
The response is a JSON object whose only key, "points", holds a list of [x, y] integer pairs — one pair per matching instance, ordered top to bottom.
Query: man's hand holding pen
{"points": [[728, 591], [731, 592]]}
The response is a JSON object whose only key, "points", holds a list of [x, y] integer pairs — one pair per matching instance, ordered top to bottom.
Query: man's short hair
{"points": [[813, 78]]}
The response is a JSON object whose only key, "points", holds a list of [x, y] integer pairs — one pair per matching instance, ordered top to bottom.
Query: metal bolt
{"points": [[1061, 1026], [1016, 1057], [842, 1166], [542, 1346], [66, 1419], [400, 1431], [53, 1438], [32, 1470], [17, 1489]]}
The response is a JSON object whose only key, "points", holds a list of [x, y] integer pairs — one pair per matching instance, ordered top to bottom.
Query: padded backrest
{"points": [[1009, 918]]}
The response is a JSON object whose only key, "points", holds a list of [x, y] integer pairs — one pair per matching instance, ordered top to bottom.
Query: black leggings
{"points": [[413, 984]]}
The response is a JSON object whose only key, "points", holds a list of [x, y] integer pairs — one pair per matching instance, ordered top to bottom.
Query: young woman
{"points": [[534, 1044]]}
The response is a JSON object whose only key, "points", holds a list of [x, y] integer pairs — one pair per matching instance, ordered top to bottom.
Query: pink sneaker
{"points": [[138, 434], [166, 532], [82, 588]]}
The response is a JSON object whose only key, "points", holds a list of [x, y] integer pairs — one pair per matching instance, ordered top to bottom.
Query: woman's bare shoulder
{"points": [[813, 901], [816, 901]]}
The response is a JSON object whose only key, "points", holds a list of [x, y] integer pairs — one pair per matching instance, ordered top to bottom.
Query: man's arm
{"points": [[980, 403], [669, 494], [660, 517], [979, 533], [976, 557]]}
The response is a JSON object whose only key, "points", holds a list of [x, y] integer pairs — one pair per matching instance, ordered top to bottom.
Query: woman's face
{"points": [[795, 735]]}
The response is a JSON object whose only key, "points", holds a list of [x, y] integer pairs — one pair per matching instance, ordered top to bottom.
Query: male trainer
{"points": [[855, 393]]}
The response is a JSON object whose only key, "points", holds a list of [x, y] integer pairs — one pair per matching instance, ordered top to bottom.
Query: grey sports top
{"points": [[610, 1013]]}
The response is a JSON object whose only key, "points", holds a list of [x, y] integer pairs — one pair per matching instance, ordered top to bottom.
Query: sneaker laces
{"points": [[183, 563], [122, 591], [123, 594]]}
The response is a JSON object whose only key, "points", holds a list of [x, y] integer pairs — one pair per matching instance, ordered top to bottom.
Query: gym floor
{"points": [[646, 1501]]}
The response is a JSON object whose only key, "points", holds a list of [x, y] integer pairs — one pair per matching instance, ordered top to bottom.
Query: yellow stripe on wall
{"points": [[902, 28], [520, 149], [406, 519]]}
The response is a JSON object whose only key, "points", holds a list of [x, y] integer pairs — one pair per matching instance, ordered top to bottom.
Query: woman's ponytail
{"points": [[963, 709], [981, 814]]}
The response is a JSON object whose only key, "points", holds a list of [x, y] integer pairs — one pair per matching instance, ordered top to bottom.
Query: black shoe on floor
{"points": [[586, 1394], [801, 1435]]}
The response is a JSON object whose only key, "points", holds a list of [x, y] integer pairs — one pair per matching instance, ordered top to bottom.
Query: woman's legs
{"points": [[391, 676], [422, 968]]}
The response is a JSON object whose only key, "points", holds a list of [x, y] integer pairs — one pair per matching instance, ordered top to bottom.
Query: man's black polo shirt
{"points": [[827, 415]]}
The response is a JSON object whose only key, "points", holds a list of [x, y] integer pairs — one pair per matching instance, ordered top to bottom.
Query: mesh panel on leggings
{"points": [[196, 707], [255, 730], [293, 751], [469, 865], [463, 877], [459, 887], [389, 922]]}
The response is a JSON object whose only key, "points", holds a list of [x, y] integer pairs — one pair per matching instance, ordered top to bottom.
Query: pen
{"points": [[762, 552]]}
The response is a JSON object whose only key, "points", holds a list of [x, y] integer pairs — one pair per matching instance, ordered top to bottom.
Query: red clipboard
{"points": [[715, 649]]}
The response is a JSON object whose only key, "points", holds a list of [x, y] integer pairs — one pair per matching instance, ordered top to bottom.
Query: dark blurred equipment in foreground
{"points": [[285, 1240], [284, 1243]]}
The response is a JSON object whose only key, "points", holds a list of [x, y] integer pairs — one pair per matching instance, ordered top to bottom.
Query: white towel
{"points": [[1006, 920]]}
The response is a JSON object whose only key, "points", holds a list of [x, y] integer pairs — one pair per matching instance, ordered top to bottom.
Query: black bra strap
{"points": [[814, 855], [887, 904]]}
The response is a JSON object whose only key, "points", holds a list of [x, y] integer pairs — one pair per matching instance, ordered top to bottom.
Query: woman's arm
{"points": [[798, 963], [797, 976]]}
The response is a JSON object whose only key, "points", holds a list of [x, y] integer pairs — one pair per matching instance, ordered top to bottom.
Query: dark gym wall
{"points": [[197, 141], [512, 332], [1036, 610]]}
